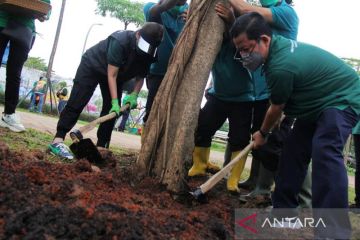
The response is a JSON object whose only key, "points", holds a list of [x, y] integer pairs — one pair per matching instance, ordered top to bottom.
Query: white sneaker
{"points": [[12, 122]]}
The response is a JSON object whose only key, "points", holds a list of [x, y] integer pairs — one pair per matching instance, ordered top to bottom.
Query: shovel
{"points": [[85, 148], [199, 193]]}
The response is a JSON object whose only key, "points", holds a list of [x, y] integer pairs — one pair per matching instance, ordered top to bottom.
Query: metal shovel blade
{"points": [[85, 148], [199, 196]]}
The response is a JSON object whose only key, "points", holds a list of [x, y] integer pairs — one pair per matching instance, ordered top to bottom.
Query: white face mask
{"points": [[145, 47]]}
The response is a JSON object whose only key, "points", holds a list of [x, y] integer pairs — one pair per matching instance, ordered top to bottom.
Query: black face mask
{"points": [[145, 50], [144, 56], [253, 61]]}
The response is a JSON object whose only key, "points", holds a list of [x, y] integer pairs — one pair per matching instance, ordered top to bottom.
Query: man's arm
{"points": [[161, 7], [243, 7], [112, 73], [112, 76], [272, 116]]}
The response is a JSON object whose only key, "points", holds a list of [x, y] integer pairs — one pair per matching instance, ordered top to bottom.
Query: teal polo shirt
{"points": [[285, 21], [173, 25], [308, 79], [231, 81], [356, 129]]}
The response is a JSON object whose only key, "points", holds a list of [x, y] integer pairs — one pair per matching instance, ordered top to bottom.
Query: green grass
{"points": [[31, 139], [36, 140], [219, 147], [118, 151], [350, 171], [351, 194]]}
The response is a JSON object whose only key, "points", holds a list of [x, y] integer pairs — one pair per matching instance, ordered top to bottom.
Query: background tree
{"points": [[125, 10], [56, 40], [52, 55], [36, 63], [354, 63], [59, 85]]}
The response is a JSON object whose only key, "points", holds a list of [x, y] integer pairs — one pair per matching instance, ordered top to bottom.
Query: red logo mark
{"points": [[251, 218]]}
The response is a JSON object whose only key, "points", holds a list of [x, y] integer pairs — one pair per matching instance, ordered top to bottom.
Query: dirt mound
{"points": [[40, 199]]}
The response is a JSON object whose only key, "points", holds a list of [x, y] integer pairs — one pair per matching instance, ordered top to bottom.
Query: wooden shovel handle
{"points": [[90, 126], [205, 187]]}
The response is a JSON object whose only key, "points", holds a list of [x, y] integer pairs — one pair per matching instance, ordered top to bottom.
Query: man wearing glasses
{"points": [[238, 94], [323, 94]]}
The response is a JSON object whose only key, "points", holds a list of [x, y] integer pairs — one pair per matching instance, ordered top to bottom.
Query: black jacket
{"points": [[134, 62]]}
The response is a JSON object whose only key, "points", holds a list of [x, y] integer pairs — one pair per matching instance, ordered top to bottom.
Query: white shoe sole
{"points": [[12, 128], [60, 157]]}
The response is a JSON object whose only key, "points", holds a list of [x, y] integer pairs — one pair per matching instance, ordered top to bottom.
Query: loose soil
{"points": [[43, 199]]}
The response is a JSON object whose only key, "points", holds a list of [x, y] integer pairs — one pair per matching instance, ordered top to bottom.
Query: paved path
{"points": [[48, 124], [118, 139]]}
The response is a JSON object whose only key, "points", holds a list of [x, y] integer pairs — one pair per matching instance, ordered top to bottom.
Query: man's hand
{"points": [[225, 13], [184, 15], [42, 18], [131, 99], [115, 106], [258, 139]]}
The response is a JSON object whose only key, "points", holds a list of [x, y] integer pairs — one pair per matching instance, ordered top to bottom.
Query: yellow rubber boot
{"points": [[200, 160], [212, 168], [234, 178]]}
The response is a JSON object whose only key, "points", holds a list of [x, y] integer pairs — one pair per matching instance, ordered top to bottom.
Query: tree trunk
{"points": [[126, 24], [53, 51], [169, 133]]}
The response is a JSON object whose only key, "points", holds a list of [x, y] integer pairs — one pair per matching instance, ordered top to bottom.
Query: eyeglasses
{"points": [[241, 55]]}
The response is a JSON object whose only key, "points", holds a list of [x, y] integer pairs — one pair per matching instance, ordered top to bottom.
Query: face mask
{"points": [[268, 3], [177, 10], [143, 48], [144, 56], [252, 61]]}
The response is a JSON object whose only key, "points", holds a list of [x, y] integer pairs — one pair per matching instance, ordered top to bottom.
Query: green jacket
{"points": [[29, 22]]}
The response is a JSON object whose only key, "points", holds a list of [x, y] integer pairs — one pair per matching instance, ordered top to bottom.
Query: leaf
{"points": [[125, 10]]}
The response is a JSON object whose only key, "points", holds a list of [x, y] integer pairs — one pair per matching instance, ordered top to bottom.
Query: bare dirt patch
{"points": [[41, 199]]}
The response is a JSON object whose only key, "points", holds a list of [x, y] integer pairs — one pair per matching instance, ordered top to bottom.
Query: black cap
{"points": [[152, 33]]}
